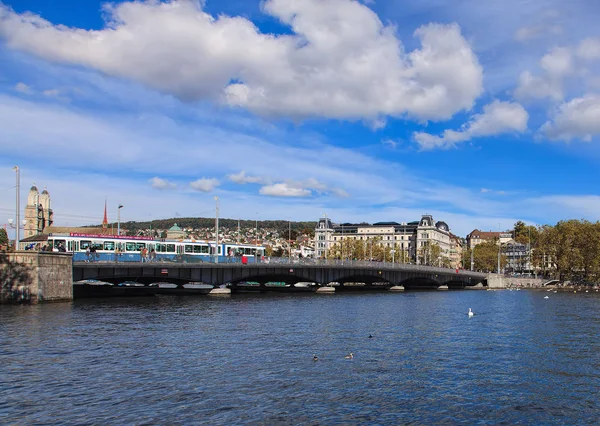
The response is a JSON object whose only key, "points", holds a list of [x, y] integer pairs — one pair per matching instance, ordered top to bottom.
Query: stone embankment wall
{"points": [[35, 277], [500, 281]]}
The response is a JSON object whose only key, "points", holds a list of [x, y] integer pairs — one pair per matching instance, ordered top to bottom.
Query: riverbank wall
{"points": [[34, 277], [498, 281]]}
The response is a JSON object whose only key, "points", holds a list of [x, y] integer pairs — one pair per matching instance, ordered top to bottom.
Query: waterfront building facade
{"points": [[38, 212], [477, 237], [407, 242]]}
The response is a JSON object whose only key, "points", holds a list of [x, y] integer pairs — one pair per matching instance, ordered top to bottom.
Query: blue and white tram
{"points": [[129, 249]]}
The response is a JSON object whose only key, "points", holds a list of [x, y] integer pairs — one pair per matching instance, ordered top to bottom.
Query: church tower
{"points": [[32, 212], [38, 212], [47, 218], [105, 220]]}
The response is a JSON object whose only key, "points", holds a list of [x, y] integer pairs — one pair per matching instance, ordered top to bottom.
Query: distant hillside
{"points": [[209, 222]]}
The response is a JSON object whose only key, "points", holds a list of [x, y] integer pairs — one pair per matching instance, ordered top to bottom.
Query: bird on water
{"points": [[470, 313], [370, 336], [349, 356], [315, 357]]}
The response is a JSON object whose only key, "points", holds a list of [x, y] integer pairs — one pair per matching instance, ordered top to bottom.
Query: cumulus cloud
{"points": [[589, 49], [338, 61], [555, 65], [22, 87], [497, 118], [576, 119], [242, 178], [158, 183], [204, 184], [304, 188], [284, 190]]}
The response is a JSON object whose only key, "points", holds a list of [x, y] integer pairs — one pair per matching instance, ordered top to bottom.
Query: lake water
{"points": [[247, 359]]}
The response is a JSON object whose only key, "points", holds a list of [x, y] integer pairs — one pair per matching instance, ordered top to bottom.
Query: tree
{"points": [[3, 238], [485, 257]]}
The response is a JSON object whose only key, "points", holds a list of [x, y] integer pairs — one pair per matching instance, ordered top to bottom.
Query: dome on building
{"points": [[34, 188], [45, 192], [426, 220], [442, 226], [175, 228]]}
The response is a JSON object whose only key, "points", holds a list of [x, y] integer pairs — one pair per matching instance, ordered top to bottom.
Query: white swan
{"points": [[545, 297], [470, 313], [349, 356]]}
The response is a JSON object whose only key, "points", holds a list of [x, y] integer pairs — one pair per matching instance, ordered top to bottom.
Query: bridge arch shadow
{"points": [[420, 283]]}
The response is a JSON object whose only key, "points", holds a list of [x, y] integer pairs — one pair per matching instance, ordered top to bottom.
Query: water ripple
{"points": [[248, 360]]}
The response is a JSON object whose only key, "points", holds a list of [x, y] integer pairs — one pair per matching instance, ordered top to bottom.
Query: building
{"points": [[38, 212], [175, 233], [477, 237], [405, 242], [457, 245], [518, 260]]}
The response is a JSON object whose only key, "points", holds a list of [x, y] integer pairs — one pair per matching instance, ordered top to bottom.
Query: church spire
{"points": [[105, 221]]}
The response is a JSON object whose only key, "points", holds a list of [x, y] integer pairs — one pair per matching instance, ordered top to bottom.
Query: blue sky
{"points": [[480, 113]]}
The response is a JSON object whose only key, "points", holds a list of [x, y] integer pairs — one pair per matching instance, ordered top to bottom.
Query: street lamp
{"points": [[18, 206], [119, 219], [216, 229], [289, 240], [393, 252]]}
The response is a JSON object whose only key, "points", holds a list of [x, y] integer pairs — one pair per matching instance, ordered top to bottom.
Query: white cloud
{"points": [[537, 31], [589, 49], [340, 61], [557, 62], [555, 65], [22, 87], [536, 87], [51, 92], [497, 118], [577, 119], [390, 143], [242, 178], [159, 183], [204, 184], [284, 190], [484, 190], [342, 193]]}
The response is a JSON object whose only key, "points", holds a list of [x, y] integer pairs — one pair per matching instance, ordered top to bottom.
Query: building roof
{"points": [[175, 228], [80, 230], [476, 233], [34, 239]]}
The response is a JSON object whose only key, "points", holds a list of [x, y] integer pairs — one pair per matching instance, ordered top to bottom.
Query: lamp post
{"points": [[18, 206], [119, 219], [216, 229], [289, 241], [499, 248], [393, 251]]}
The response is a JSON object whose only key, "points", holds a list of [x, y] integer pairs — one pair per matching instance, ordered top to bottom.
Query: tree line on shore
{"points": [[569, 250]]}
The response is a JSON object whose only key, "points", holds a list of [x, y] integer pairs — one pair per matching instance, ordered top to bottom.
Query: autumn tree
{"points": [[3, 238]]}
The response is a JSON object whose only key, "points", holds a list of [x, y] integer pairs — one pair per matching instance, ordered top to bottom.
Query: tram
{"points": [[128, 249]]}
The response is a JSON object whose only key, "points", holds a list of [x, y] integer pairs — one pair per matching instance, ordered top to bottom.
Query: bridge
{"points": [[281, 274]]}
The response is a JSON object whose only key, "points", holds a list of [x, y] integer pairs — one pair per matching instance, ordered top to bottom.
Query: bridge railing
{"points": [[276, 261], [284, 261]]}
